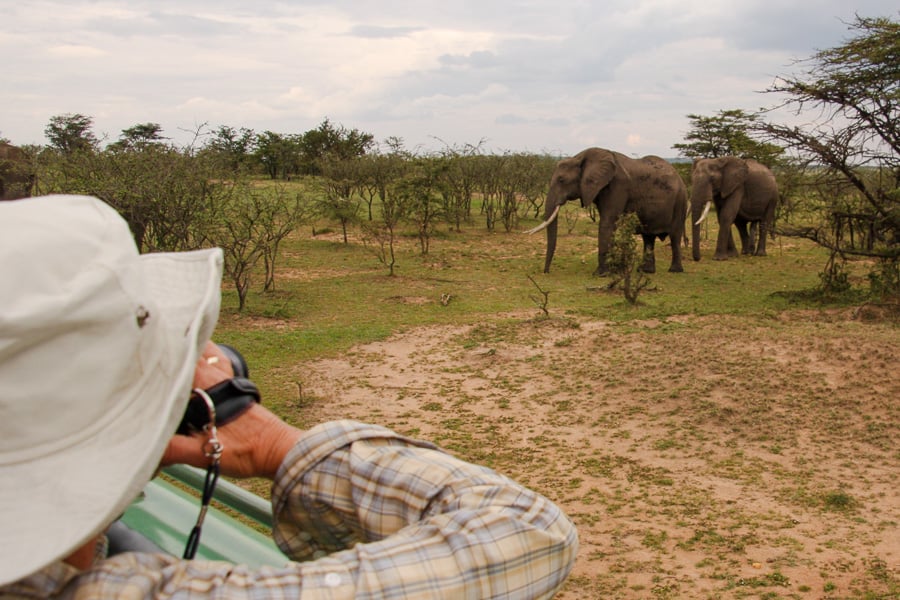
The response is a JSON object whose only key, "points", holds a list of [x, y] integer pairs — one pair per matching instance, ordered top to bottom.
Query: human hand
{"points": [[213, 367], [253, 445]]}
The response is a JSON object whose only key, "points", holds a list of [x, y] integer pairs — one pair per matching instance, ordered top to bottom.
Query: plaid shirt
{"points": [[366, 513]]}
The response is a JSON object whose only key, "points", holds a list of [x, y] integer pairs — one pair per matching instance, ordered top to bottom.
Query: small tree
{"points": [[69, 133], [726, 134], [137, 136], [329, 142], [233, 148], [279, 154], [378, 170], [459, 183], [419, 194], [339, 199], [281, 214], [237, 228], [380, 234], [625, 259]]}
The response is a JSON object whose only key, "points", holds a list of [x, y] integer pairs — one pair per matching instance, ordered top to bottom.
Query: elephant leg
{"points": [[763, 232], [753, 237], [604, 238], [747, 244], [732, 246], [725, 247], [649, 262], [676, 267]]}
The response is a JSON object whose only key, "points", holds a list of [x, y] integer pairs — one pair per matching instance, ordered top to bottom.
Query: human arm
{"points": [[372, 512], [372, 515], [424, 523]]}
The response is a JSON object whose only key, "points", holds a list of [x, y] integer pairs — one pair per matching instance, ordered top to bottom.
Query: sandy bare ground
{"points": [[699, 457]]}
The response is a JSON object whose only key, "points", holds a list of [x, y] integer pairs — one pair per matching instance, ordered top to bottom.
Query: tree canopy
{"points": [[850, 99], [71, 132], [726, 134]]}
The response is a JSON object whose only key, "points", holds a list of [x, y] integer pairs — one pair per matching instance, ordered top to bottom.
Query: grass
{"points": [[336, 295]]}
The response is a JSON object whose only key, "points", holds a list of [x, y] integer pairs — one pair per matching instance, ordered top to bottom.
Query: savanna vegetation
{"points": [[838, 174], [723, 432]]}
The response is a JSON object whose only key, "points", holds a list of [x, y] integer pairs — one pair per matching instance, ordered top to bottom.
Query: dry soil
{"points": [[700, 457]]}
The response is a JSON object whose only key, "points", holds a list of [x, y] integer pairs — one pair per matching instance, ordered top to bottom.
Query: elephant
{"points": [[16, 173], [616, 184], [745, 193]]}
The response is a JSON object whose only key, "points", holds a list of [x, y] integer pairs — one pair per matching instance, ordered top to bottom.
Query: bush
{"points": [[624, 260]]}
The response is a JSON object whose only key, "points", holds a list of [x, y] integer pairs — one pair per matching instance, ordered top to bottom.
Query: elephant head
{"points": [[16, 173], [582, 176], [712, 180]]}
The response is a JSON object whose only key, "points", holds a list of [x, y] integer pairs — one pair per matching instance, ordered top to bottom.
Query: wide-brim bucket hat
{"points": [[98, 346]]}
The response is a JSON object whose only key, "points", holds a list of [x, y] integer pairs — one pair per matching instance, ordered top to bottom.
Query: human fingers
{"points": [[213, 367]]}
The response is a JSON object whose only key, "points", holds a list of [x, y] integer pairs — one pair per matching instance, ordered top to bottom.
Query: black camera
{"points": [[230, 398]]}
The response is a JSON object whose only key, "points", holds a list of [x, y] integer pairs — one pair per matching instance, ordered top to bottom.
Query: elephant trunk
{"points": [[701, 198], [552, 226], [551, 244]]}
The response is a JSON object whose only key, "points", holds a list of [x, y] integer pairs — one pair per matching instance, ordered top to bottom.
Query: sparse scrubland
{"points": [[728, 436]]}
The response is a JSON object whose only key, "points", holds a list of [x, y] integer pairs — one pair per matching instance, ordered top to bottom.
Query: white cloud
{"points": [[75, 51], [556, 76]]}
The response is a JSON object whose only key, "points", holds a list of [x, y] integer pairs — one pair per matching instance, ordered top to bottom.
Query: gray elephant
{"points": [[16, 173], [615, 183], [744, 192]]}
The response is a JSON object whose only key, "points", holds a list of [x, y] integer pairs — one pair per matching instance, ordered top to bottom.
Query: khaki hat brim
{"points": [[53, 504]]}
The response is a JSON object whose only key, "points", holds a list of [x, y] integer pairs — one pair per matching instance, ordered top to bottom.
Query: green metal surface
{"points": [[235, 497], [165, 514]]}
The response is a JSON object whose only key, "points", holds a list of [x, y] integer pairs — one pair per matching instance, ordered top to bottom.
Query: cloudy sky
{"points": [[551, 76]]}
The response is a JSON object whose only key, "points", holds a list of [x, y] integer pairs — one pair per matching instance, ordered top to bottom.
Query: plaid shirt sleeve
{"points": [[366, 513]]}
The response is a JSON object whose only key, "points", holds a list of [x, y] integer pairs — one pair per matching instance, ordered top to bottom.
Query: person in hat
{"points": [[100, 348]]}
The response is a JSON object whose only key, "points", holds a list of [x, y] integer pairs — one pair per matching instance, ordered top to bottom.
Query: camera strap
{"points": [[213, 450]]}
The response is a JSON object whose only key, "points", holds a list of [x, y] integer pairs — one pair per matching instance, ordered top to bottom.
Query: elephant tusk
{"points": [[705, 212], [545, 223]]}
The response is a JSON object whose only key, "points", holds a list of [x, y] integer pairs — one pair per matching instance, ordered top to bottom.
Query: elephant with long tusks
{"points": [[616, 184], [744, 192]]}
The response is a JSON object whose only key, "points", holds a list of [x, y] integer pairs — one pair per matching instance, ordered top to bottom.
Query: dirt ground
{"points": [[700, 457]]}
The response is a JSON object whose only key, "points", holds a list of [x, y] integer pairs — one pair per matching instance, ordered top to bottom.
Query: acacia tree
{"points": [[71, 132], [728, 133], [138, 136], [329, 142], [852, 145], [232, 147], [278, 153], [379, 170], [459, 180], [339, 183], [161, 191], [419, 195], [281, 212], [237, 228], [380, 234]]}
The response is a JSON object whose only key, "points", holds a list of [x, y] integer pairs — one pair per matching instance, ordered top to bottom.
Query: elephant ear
{"points": [[597, 170], [734, 174]]}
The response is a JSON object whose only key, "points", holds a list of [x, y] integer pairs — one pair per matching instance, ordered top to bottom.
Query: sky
{"points": [[537, 76]]}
